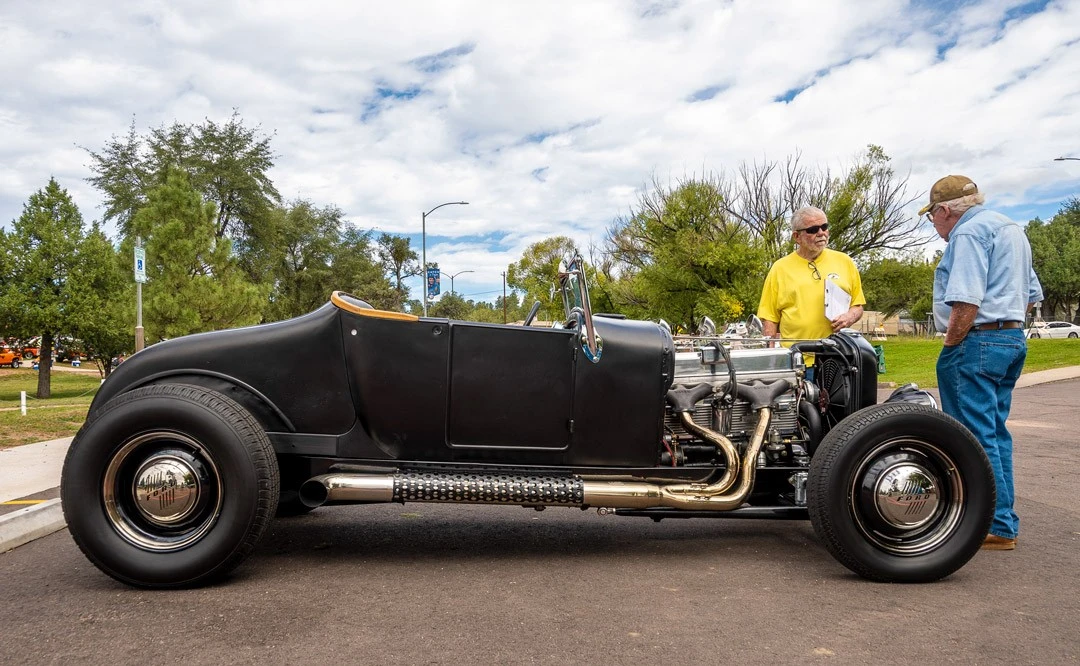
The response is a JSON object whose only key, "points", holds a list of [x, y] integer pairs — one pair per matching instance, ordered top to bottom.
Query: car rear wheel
{"points": [[1072, 335], [15, 362], [169, 486], [901, 492]]}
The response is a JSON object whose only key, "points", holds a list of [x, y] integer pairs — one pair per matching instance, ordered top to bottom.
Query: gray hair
{"points": [[962, 204], [804, 213]]}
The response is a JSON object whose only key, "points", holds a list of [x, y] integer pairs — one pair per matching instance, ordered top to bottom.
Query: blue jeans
{"points": [[975, 382]]}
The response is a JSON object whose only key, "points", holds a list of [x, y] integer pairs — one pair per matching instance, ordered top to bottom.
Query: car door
{"points": [[510, 387]]}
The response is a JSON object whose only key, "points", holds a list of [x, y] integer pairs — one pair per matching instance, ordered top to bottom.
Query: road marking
{"points": [[24, 502]]}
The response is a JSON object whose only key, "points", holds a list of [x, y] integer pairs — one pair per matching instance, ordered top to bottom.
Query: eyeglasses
{"points": [[930, 213], [814, 229], [813, 267]]}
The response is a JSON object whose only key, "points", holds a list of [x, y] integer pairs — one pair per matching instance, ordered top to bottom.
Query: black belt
{"points": [[997, 325]]}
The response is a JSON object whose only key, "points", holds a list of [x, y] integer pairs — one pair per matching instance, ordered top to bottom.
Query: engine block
{"points": [[735, 419]]}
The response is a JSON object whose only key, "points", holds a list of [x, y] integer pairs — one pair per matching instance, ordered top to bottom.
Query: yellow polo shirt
{"points": [[794, 298]]}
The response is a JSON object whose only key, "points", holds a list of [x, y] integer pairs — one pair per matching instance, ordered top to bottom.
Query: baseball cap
{"points": [[949, 188]]}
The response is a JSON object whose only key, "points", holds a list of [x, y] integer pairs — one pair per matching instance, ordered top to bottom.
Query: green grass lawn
{"points": [[914, 359], [58, 416]]}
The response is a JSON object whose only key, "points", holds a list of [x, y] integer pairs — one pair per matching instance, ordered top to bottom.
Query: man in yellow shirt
{"points": [[793, 299]]}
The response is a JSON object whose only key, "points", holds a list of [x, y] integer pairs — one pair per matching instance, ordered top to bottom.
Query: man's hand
{"points": [[848, 319]]}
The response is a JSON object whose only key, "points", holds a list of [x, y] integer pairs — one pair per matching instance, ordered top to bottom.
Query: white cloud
{"points": [[547, 117]]}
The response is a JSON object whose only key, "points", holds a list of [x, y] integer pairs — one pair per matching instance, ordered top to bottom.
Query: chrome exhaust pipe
{"points": [[345, 487], [728, 493], [693, 496]]}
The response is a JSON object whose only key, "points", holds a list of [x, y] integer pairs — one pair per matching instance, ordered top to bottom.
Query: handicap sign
{"points": [[140, 264]]}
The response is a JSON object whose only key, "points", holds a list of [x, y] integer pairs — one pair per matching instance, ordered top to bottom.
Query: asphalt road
{"points": [[426, 583]]}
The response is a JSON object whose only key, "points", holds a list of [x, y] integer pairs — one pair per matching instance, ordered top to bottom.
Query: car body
{"points": [[1053, 329], [31, 349], [10, 356], [192, 445]]}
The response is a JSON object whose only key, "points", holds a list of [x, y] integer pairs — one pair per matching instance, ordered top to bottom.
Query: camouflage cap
{"points": [[949, 188]]}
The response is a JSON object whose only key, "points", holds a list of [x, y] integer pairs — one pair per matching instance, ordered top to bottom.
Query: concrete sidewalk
{"points": [[30, 478], [29, 489]]}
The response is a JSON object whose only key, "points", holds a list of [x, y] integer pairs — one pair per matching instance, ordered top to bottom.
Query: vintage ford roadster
{"points": [[191, 446]]}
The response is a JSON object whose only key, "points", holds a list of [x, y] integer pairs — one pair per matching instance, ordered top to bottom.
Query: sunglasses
{"points": [[814, 229], [813, 267]]}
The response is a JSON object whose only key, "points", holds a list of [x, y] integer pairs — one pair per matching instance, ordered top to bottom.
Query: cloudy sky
{"points": [[547, 117]]}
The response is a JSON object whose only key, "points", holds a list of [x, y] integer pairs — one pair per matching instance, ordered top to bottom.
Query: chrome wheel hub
{"points": [[166, 489], [162, 491], [906, 496]]}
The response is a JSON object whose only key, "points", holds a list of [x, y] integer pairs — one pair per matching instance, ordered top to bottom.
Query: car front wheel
{"points": [[169, 486], [901, 492]]}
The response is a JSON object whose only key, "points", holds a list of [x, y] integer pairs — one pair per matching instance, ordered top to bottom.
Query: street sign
{"points": [[140, 264]]}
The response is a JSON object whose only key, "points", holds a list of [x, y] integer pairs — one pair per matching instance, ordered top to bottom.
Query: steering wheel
{"points": [[532, 314]]}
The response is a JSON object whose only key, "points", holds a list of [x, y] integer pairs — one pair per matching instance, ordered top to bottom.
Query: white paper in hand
{"points": [[837, 301]]}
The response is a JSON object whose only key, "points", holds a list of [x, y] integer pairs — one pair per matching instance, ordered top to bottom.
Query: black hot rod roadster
{"points": [[192, 445]]}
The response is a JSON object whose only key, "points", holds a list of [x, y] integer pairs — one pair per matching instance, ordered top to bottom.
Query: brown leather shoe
{"points": [[994, 542]]}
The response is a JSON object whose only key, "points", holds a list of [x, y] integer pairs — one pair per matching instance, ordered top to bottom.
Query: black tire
{"points": [[1035, 335], [1072, 335], [27, 355], [16, 363], [901, 493], [289, 505], [178, 534]]}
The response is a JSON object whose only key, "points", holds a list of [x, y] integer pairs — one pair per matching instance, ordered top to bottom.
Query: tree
{"points": [[227, 163], [866, 204], [306, 242], [703, 246], [1055, 251], [680, 256], [399, 262], [355, 270], [538, 270], [52, 272], [194, 282], [895, 284], [103, 301], [451, 306]]}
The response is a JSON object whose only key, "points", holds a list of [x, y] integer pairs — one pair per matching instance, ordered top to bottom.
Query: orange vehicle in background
{"points": [[9, 356]]}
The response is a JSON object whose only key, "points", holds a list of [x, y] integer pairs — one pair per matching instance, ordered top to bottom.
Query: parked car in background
{"points": [[1053, 329], [31, 349], [9, 356]]}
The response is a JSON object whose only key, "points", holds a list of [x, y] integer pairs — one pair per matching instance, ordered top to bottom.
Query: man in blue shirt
{"points": [[983, 289]]}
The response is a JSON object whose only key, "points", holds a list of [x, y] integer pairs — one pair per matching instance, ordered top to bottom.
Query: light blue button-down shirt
{"points": [[987, 263]]}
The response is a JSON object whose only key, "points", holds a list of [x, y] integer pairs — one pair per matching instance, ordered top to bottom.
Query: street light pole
{"points": [[423, 243], [454, 275]]}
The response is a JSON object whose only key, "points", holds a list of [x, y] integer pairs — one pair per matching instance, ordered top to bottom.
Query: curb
{"points": [[25, 525]]}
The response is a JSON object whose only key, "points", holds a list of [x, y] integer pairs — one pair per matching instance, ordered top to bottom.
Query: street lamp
{"points": [[423, 243], [454, 275]]}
